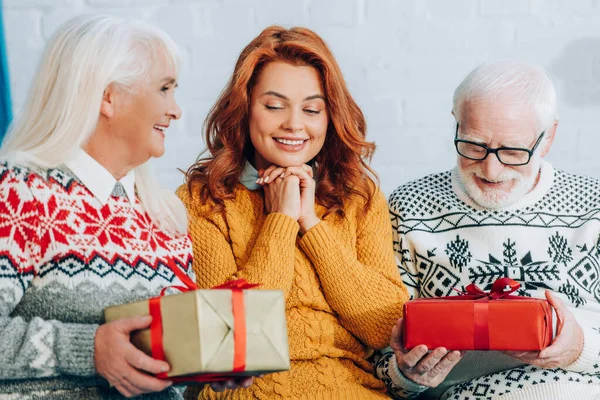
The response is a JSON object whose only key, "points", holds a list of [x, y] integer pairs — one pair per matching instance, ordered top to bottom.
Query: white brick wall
{"points": [[402, 60]]}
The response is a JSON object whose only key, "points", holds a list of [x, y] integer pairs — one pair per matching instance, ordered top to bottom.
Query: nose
{"points": [[174, 110], [293, 122], [491, 166]]}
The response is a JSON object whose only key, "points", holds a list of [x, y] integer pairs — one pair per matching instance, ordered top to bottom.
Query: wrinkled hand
{"points": [[271, 179], [566, 346], [122, 364], [418, 366], [231, 384]]}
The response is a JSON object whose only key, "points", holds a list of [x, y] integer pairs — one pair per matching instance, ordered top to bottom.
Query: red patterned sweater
{"points": [[65, 255]]}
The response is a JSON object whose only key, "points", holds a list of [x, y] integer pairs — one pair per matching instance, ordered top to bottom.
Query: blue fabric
{"points": [[5, 99], [249, 177]]}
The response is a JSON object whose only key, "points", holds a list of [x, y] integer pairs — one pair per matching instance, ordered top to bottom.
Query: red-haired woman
{"points": [[287, 200]]}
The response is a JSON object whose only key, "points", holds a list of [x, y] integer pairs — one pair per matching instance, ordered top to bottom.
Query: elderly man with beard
{"points": [[502, 211]]}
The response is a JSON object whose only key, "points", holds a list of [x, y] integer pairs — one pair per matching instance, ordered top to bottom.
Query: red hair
{"points": [[341, 165]]}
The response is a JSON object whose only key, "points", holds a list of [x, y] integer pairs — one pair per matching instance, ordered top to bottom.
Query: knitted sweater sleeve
{"points": [[271, 262], [360, 281], [31, 348], [589, 359], [386, 368], [399, 386]]}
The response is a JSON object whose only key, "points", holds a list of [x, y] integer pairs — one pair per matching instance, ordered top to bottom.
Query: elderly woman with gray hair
{"points": [[83, 223]]}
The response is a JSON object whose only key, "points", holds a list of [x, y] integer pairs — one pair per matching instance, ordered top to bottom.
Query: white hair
{"points": [[86, 55], [514, 82]]}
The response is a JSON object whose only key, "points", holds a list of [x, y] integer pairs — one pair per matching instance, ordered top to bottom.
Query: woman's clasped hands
{"points": [[291, 191]]}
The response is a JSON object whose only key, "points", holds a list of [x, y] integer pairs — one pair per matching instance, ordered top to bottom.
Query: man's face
{"points": [[490, 183]]}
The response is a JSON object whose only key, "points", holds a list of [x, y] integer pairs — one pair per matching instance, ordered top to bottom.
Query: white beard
{"points": [[495, 198]]}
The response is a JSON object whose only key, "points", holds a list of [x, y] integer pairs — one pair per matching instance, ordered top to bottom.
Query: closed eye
{"points": [[166, 88]]}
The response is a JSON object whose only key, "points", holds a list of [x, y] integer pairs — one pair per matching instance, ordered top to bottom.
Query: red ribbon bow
{"points": [[237, 285], [501, 289], [239, 325]]}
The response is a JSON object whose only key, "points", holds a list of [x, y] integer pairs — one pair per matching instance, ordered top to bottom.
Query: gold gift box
{"points": [[198, 331]]}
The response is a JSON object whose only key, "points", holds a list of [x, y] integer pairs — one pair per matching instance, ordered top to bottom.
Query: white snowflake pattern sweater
{"points": [[549, 240], [67, 251]]}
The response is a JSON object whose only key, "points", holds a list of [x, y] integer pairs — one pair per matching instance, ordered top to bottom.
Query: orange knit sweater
{"points": [[342, 288]]}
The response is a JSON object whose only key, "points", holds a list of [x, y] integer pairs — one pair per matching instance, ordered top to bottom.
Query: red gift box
{"points": [[477, 320]]}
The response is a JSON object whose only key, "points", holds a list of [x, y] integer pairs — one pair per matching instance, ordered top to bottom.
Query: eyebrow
{"points": [[168, 80], [314, 96], [471, 138], [509, 143], [514, 144]]}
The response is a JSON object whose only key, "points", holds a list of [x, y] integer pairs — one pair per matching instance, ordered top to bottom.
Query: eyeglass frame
{"points": [[495, 151]]}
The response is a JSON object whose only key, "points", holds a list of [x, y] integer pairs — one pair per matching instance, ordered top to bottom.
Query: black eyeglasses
{"points": [[514, 156]]}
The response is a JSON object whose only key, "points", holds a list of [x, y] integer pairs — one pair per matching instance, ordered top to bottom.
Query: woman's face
{"points": [[143, 114], [288, 115]]}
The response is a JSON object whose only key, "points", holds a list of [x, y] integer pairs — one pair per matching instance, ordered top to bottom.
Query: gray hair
{"points": [[86, 55], [513, 81]]}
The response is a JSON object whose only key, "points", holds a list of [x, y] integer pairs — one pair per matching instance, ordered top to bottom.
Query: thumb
{"points": [[556, 303], [562, 312], [131, 324], [396, 342]]}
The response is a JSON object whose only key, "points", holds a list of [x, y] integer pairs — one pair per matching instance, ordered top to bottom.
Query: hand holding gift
{"points": [[221, 334], [567, 345], [121, 364], [128, 369], [428, 369], [232, 384]]}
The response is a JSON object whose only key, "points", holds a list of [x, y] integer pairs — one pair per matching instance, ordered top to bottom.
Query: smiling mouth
{"points": [[160, 128], [291, 142], [491, 184]]}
